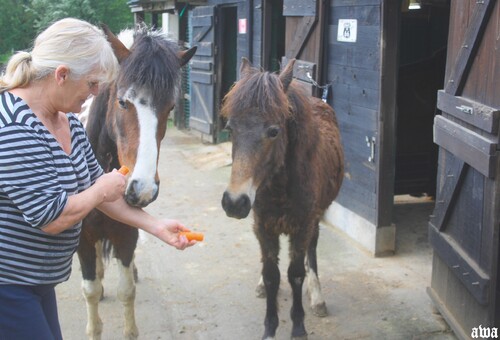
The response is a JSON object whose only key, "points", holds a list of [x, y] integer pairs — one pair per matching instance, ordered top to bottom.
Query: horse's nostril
{"points": [[134, 187], [140, 195], [238, 208]]}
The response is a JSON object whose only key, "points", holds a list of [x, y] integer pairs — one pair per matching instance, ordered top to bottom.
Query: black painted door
{"points": [[203, 70]]}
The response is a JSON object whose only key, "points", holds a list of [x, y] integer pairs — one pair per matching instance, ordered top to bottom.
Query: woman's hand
{"points": [[112, 185], [168, 232]]}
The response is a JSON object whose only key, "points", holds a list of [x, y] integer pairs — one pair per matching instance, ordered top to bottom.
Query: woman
{"points": [[49, 177]]}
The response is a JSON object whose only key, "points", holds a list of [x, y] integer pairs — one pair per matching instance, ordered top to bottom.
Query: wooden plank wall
{"points": [[354, 71]]}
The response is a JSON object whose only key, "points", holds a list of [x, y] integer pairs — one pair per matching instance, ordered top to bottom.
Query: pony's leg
{"points": [[270, 248], [124, 250], [99, 265], [296, 275], [91, 287], [260, 290], [126, 294], [318, 304]]}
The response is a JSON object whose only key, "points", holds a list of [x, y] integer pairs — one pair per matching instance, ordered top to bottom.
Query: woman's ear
{"points": [[61, 74]]}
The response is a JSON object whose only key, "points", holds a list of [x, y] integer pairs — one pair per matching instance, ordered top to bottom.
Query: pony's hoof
{"points": [[260, 291], [320, 310], [299, 332], [131, 334]]}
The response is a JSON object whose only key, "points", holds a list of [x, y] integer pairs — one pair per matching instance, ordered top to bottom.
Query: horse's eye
{"points": [[122, 103], [273, 131]]}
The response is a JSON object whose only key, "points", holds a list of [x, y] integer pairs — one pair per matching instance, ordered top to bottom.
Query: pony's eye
{"points": [[122, 103], [273, 131]]}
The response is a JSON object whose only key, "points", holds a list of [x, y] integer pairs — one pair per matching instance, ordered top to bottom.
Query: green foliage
{"points": [[22, 20], [16, 26]]}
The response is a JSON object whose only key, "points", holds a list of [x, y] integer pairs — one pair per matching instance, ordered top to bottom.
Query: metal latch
{"points": [[466, 109], [370, 142]]}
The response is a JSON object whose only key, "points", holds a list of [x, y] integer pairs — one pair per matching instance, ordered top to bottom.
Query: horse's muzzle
{"points": [[137, 196], [238, 207]]}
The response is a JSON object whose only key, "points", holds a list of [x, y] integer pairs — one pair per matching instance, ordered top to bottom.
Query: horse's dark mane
{"points": [[153, 64], [264, 91]]}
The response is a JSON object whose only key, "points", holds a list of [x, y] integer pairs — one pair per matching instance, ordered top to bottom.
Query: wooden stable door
{"points": [[305, 41], [202, 70], [464, 228]]}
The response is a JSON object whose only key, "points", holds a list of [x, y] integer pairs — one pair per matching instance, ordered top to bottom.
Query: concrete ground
{"points": [[208, 291]]}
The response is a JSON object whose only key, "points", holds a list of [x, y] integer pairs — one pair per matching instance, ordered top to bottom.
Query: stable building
{"points": [[415, 85]]}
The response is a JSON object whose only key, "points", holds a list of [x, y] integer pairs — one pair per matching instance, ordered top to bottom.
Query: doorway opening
{"points": [[273, 28], [226, 63], [422, 64]]}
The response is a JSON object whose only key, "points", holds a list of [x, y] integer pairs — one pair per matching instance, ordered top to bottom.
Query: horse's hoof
{"points": [[260, 291], [320, 310], [299, 333], [131, 334]]}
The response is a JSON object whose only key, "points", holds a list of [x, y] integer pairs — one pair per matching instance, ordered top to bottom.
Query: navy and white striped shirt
{"points": [[36, 178]]}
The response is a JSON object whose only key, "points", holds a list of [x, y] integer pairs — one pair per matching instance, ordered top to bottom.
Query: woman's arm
{"points": [[108, 187], [165, 230]]}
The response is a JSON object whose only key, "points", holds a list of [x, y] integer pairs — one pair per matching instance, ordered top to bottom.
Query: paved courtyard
{"points": [[208, 291]]}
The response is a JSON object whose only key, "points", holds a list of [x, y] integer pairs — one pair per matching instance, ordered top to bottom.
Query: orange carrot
{"points": [[124, 170], [192, 236]]}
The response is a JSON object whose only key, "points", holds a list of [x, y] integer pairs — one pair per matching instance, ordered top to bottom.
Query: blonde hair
{"points": [[80, 46]]}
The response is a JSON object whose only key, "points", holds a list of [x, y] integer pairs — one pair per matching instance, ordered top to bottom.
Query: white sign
{"points": [[242, 26], [348, 30]]}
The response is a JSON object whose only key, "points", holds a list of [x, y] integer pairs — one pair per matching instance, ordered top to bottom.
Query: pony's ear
{"points": [[121, 52], [185, 56], [245, 67], [286, 75]]}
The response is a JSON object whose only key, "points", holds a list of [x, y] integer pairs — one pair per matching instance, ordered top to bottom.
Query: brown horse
{"points": [[125, 125], [288, 167]]}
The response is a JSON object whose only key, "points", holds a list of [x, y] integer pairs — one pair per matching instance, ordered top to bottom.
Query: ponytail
{"points": [[18, 72]]}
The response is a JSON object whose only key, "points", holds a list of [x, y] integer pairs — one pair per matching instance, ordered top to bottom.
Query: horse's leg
{"points": [[270, 248], [99, 264], [296, 275], [126, 285], [91, 287], [260, 290], [126, 294], [318, 304]]}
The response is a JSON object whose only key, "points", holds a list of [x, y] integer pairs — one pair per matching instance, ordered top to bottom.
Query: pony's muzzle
{"points": [[140, 195], [237, 207]]}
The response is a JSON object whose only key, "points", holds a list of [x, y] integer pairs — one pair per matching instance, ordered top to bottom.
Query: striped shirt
{"points": [[36, 178]]}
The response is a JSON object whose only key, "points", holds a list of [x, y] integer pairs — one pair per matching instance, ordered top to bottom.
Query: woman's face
{"points": [[74, 92]]}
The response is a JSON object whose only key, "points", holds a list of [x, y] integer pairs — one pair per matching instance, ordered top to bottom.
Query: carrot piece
{"points": [[124, 170], [191, 235]]}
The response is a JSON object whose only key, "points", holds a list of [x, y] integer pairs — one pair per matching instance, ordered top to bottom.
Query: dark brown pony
{"points": [[125, 125], [288, 167]]}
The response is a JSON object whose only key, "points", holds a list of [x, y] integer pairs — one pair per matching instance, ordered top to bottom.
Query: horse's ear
{"points": [[121, 52], [185, 56], [245, 67], [286, 75]]}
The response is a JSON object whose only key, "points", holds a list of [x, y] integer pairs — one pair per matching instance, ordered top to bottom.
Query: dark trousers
{"points": [[28, 312]]}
